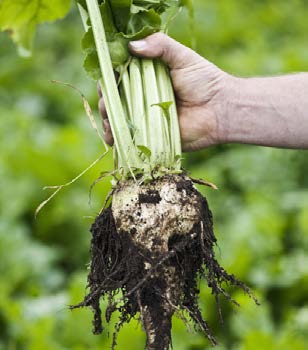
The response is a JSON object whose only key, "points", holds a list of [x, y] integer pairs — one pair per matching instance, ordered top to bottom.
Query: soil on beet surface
{"points": [[119, 263]]}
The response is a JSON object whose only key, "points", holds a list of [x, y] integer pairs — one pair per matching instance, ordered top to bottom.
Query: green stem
{"points": [[127, 91], [167, 94], [164, 97], [138, 108], [154, 115], [126, 150]]}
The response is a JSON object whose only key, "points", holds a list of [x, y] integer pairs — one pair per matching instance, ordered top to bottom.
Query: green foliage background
{"points": [[261, 209]]}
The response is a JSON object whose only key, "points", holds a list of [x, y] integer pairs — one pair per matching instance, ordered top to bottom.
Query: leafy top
{"points": [[20, 18], [126, 20]]}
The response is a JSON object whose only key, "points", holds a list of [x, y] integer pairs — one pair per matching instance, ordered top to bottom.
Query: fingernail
{"points": [[139, 45]]}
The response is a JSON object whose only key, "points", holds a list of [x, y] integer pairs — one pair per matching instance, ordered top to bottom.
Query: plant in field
{"points": [[156, 238]]}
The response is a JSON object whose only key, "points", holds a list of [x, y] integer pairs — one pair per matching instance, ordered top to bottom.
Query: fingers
{"points": [[160, 45], [102, 108], [106, 125], [108, 134]]}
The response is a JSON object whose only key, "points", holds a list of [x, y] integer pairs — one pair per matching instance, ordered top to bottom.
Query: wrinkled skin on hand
{"points": [[199, 86]]}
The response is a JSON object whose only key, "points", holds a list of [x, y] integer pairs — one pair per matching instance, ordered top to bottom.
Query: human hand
{"points": [[199, 86]]}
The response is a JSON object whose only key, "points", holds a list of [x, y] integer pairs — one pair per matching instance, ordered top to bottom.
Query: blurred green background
{"points": [[261, 209]]}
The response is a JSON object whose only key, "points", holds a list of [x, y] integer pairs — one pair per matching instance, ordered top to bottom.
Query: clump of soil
{"points": [[153, 244]]}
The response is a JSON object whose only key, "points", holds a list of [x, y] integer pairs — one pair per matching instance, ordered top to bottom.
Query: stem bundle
{"points": [[141, 110]]}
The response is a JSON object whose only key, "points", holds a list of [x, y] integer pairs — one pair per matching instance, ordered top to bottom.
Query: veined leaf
{"points": [[121, 10], [20, 18], [142, 19], [125, 20], [137, 26], [117, 45]]}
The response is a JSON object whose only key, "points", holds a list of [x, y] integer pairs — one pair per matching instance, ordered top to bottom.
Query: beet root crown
{"points": [[153, 244]]}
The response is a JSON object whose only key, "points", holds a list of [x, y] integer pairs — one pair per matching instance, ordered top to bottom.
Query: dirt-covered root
{"points": [[153, 244], [155, 316]]}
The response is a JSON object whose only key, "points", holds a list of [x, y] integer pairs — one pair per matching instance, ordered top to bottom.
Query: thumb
{"points": [[160, 45]]}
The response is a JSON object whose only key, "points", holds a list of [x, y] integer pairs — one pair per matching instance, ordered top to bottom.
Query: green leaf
{"points": [[159, 6], [135, 9], [121, 10], [20, 18], [108, 18], [142, 19], [124, 21], [138, 25], [145, 31], [87, 42], [117, 46], [118, 49], [91, 65], [165, 106], [145, 151]]}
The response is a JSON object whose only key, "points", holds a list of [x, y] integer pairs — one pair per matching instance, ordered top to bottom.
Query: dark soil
{"points": [[150, 196], [169, 286]]}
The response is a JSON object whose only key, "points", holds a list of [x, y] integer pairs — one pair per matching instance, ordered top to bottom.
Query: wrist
{"points": [[225, 106], [250, 116]]}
